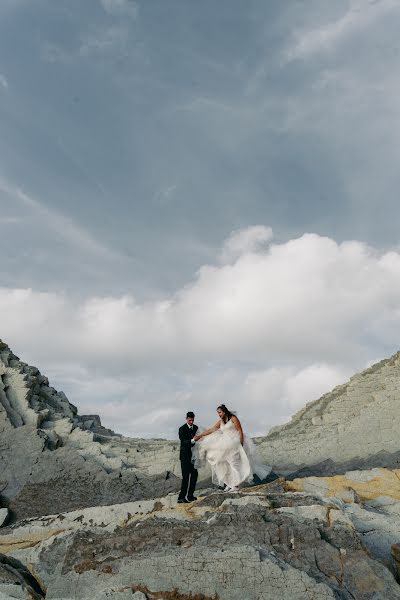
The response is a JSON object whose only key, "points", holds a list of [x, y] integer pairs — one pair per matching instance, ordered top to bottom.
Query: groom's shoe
{"points": [[191, 498], [183, 501]]}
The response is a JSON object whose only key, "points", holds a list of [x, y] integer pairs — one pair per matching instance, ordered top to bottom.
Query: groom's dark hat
{"points": [[190, 415]]}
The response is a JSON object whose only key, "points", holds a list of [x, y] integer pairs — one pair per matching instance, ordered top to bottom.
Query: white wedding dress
{"points": [[231, 463]]}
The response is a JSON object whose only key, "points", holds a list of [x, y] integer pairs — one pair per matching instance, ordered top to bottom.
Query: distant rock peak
{"points": [[27, 399]]}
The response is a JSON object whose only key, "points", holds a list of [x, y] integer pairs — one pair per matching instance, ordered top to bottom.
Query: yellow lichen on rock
{"points": [[368, 485], [10, 543]]}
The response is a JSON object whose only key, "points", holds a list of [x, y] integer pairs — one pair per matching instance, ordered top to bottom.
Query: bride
{"points": [[232, 456]]}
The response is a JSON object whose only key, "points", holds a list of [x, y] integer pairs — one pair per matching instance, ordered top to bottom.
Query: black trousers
{"points": [[189, 479]]}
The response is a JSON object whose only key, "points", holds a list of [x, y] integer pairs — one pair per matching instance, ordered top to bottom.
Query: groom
{"points": [[189, 473]]}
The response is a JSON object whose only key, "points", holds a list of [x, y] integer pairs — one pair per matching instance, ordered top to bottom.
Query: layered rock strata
{"points": [[355, 426], [52, 459], [90, 515], [264, 543]]}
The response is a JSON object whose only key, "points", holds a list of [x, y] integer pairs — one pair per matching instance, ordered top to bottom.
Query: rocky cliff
{"points": [[355, 426], [45, 443], [52, 459], [87, 514]]}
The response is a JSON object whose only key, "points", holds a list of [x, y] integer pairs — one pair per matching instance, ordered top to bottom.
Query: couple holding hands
{"points": [[233, 458]]}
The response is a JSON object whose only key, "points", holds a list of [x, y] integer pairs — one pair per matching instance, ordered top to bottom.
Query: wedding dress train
{"points": [[231, 463]]}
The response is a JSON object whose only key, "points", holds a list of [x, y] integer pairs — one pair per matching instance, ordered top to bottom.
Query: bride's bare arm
{"points": [[238, 426], [207, 431]]}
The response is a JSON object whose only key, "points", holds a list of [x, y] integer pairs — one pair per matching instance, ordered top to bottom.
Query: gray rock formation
{"points": [[354, 426], [45, 445], [51, 459], [94, 517], [264, 543]]}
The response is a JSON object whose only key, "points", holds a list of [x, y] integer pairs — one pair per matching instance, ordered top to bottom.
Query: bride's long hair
{"points": [[227, 413]]}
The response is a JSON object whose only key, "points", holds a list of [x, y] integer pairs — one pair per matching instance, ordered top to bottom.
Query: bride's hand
{"points": [[197, 438]]}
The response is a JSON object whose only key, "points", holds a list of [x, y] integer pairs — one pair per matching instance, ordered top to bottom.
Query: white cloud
{"points": [[128, 8], [359, 16], [3, 82], [245, 241], [308, 297], [266, 333], [272, 396], [146, 405]]}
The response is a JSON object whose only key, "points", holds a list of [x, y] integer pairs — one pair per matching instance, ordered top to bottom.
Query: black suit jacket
{"points": [[185, 435]]}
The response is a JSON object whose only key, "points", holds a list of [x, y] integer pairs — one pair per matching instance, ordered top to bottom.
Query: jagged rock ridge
{"points": [[27, 399], [53, 459]]}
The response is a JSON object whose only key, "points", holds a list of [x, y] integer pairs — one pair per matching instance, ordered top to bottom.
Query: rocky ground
{"points": [[87, 514], [309, 538]]}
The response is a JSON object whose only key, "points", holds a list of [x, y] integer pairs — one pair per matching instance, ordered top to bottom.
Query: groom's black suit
{"points": [[189, 473]]}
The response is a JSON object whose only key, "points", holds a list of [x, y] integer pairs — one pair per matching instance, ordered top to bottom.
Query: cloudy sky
{"points": [[199, 201]]}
